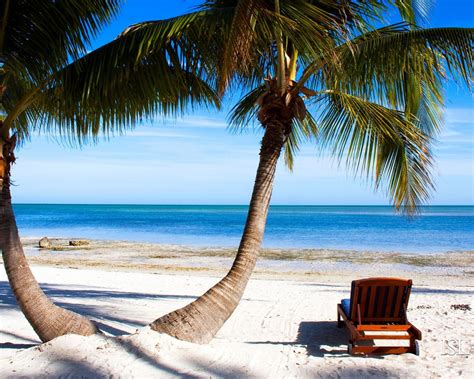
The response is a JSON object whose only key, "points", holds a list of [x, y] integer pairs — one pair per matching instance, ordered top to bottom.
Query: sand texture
{"points": [[284, 327]]}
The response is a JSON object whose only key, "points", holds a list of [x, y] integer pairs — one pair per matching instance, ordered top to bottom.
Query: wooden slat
{"points": [[382, 282], [407, 296], [354, 299], [363, 300], [381, 301], [398, 301], [388, 308], [370, 309], [381, 319], [384, 327], [385, 333], [384, 337]]}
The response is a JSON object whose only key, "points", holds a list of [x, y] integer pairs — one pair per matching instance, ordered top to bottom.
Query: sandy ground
{"points": [[281, 329]]}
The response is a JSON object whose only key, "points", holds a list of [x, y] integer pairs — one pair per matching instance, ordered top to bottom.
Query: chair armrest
{"points": [[415, 331]]}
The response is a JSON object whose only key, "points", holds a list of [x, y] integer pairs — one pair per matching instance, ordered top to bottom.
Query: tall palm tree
{"points": [[47, 83], [376, 97]]}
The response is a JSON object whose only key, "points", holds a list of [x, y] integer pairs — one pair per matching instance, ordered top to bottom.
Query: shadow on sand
{"points": [[7, 297], [100, 315], [320, 338]]}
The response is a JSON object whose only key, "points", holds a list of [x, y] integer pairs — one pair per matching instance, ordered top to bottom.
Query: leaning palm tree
{"points": [[48, 84], [375, 97]]}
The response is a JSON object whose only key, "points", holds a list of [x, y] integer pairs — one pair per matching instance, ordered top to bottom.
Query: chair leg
{"points": [[339, 322], [350, 347], [414, 347]]}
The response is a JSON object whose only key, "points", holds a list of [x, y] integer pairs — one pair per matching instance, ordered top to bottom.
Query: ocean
{"points": [[377, 228]]}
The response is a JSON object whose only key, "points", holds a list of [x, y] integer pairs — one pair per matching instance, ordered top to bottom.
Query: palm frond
{"points": [[414, 11], [41, 36], [238, 48], [382, 56], [401, 68], [149, 69], [154, 88], [18, 89], [244, 113], [302, 131], [379, 142]]}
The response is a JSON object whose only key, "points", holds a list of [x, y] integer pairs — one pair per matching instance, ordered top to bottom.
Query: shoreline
{"points": [[33, 239], [61, 245], [284, 264]]}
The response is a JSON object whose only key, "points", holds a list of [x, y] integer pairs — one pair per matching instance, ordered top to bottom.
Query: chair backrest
{"points": [[379, 300]]}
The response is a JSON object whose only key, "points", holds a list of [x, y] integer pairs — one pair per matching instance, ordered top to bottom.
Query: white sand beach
{"points": [[282, 328]]}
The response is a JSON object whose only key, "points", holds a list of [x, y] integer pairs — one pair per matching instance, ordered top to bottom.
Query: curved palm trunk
{"points": [[47, 319], [200, 320]]}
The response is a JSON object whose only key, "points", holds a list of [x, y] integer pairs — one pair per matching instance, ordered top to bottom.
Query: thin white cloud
{"points": [[459, 116], [193, 121], [448, 132], [158, 133], [452, 143], [455, 167]]}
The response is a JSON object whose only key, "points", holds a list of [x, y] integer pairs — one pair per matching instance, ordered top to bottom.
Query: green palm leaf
{"points": [[38, 37], [404, 67], [149, 69], [303, 130], [379, 141]]}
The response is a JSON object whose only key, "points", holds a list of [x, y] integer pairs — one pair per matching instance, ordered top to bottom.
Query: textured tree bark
{"points": [[47, 319], [200, 320]]}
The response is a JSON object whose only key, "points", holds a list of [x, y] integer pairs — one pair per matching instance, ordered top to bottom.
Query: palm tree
{"points": [[48, 83], [376, 99]]}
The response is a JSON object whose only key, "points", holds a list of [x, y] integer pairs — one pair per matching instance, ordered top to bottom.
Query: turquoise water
{"points": [[437, 229]]}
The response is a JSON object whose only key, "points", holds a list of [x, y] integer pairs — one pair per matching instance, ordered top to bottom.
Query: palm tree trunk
{"points": [[47, 319], [200, 320]]}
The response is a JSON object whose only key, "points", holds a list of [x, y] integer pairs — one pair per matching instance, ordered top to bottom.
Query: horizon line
{"points": [[246, 205]]}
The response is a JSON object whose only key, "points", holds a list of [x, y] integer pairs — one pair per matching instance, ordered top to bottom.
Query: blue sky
{"points": [[196, 160]]}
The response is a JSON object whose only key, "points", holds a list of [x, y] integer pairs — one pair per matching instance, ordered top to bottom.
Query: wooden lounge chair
{"points": [[376, 317]]}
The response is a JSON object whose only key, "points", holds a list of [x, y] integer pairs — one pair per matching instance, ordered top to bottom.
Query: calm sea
{"points": [[437, 229]]}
